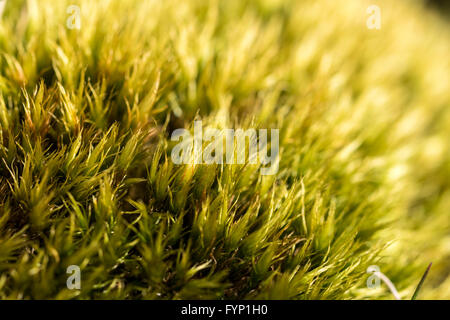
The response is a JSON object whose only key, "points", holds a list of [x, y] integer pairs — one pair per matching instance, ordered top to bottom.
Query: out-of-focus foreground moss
{"points": [[86, 176]]}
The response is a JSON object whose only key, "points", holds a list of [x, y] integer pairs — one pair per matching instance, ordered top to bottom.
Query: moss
{"points": [[86, 176]]}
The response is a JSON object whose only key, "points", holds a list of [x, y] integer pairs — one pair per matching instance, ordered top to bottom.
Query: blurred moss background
{"points": [[442, 6], [85, 170]]}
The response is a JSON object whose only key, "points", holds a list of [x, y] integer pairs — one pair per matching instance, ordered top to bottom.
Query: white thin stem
{"points": [[389, 284]]}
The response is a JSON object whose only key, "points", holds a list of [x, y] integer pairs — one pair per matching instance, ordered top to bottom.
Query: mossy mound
{"points": [[86, 176]]}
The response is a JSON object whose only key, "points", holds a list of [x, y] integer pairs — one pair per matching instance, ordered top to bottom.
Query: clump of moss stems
{"points": [[85, 171]]}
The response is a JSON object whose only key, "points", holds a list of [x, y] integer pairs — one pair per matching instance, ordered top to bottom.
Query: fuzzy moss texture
{"points": [[86, 176]]}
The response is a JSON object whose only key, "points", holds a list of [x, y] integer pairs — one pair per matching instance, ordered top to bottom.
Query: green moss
{"points": [[86, 176]]}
